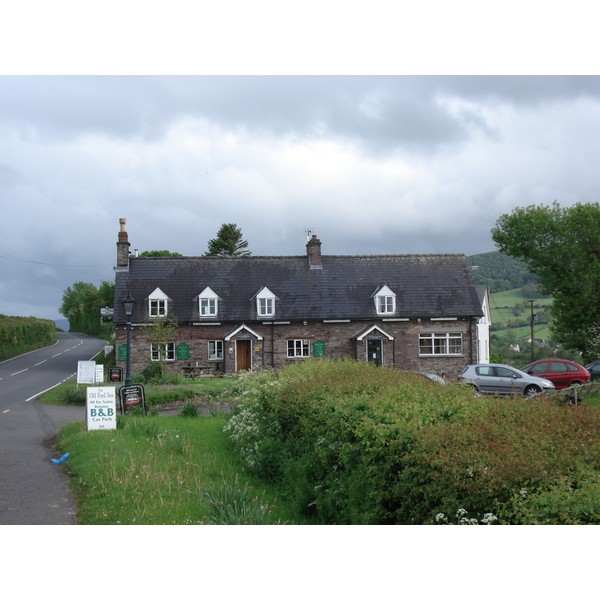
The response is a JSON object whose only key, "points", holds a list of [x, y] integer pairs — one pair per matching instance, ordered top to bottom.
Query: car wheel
{"points": [[576, 384], [532, 389]]}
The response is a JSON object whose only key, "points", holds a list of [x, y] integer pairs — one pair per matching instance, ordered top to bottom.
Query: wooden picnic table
{"points": [[195, 372]]}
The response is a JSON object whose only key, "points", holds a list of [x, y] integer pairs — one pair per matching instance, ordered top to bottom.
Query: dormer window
{"points": [[385, 301], [209, 303], [265, 303], [158, 304]]}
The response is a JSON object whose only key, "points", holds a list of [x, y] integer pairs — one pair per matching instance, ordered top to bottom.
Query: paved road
{"points": [[33, 491]]}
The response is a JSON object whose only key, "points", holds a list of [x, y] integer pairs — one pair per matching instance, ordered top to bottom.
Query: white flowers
{"points": [[462, 519]]}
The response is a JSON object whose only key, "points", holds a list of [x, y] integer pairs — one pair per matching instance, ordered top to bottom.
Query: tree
{"points": [[228, 242], [561, 246], [81, 305], [161, 332]]}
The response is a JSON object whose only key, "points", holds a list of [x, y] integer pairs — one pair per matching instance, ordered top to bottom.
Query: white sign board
{"points": [[86, 371], [99, 374], [101, 408]]}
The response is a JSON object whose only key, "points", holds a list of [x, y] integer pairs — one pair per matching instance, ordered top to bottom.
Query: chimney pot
{"points": [[122, 247]]}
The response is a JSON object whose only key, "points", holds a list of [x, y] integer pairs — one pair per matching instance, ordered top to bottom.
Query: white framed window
{"points": [[385, 301], [209, 303], [265, 303], [158, 304], [386, 305], [208, 307], [266, 307], [440, 344], [298, 348], [215, 349], [162, 351]]}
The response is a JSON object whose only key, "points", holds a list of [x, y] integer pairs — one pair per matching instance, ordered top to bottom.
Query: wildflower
{"points": [[461, 512], [440, 517], [489, 518]]}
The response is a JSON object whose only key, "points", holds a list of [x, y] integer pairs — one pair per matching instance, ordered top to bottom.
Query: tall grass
{"points": [[157, 470]]}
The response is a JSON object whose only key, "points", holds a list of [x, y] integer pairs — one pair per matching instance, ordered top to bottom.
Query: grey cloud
{"points": [[405, 113]]}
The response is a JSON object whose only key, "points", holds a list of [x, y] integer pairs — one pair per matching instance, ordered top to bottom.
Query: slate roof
{"points": [[425, 286]]}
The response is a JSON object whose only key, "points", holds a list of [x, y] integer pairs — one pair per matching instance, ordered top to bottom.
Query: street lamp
{"points": [[128, 303]]}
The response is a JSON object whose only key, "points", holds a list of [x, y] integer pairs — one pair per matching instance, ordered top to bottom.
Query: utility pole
{"points": [[532, 340]]}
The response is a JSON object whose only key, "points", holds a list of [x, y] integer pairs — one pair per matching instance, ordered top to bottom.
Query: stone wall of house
{"points": [[339, 340]]}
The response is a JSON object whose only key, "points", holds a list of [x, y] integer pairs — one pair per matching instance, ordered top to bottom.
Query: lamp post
{"points": [[128, 303]]}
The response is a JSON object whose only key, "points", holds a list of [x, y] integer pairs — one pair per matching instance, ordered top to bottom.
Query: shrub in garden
{"points": [[168, 395], [352, 443]]}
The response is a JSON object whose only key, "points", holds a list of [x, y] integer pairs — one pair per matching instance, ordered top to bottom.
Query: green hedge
{"points": [[23, 334], [349, 443]]}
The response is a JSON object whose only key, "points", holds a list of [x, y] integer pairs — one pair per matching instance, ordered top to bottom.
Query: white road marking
{"points": [[56, 355], [40, 363], [22, 371], [50, 388], [5, 411]]}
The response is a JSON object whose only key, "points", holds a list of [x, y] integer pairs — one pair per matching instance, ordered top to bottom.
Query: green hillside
{"points": [[500, 272]]}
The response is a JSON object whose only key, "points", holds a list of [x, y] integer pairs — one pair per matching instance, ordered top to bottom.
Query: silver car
{"points": [[503, 379]]}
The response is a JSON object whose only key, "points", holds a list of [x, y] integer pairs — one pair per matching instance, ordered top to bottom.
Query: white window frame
{"points": [[385, 301], [208, 303], [265, 303], [158, 304], [449, 343], [298, 348], [167, 349], [215, 349]]}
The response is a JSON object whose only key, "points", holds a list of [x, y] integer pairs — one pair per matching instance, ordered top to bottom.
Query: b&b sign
{"points": [[101, 408]]}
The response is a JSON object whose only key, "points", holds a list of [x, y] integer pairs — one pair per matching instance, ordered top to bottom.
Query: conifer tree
{"points": [[228, 242]]}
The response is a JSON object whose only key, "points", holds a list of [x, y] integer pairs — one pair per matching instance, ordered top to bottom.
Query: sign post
{"points": [[86, 372], [132, 396], [101, 408]]}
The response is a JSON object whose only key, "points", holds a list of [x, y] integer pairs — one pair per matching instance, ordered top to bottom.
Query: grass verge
{"points": [[164, 470]]}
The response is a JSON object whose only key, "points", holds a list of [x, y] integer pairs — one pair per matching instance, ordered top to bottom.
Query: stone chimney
{"points": [[123, 247], [313, 251]]}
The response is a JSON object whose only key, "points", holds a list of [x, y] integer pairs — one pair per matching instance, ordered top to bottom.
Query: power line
{"points": [[36, 262]]}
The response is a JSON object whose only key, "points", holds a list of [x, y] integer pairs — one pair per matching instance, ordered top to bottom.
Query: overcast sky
{"points": [[370, 164]]}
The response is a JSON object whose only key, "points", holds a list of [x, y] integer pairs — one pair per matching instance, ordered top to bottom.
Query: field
{"points": [[502, 310]]}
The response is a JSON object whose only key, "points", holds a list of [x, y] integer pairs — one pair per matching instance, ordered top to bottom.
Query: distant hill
{"points": [[499, 272]]}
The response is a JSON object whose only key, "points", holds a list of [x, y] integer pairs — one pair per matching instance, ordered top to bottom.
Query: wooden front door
{"points": [[243, 360]]}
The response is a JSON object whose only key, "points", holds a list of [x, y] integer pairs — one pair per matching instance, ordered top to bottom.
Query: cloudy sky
{"points": [[371, 164]]}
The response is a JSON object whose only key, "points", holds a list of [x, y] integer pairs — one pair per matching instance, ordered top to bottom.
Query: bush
{"points": [[23, 334], [157, 374], [74, 395], [168, 395], [189, 409], [355, 444]]}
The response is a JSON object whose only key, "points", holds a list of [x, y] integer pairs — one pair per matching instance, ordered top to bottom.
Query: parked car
{"points": [[594, 370], [562, 373], [433, 376], [502, 379]]}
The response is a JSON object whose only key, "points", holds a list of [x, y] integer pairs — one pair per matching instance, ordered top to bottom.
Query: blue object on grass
{"points": [[58, 461]]}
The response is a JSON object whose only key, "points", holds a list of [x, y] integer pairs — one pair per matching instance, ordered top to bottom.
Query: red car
{"points": [[562, 373]]}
